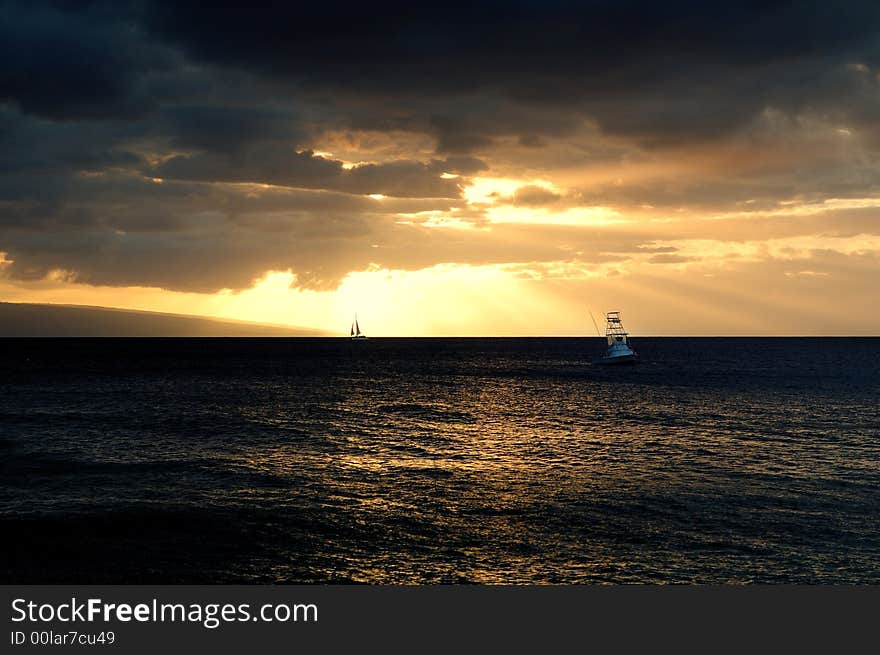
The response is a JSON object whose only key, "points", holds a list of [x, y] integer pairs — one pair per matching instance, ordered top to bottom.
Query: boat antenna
{"points": [[594, 324]]}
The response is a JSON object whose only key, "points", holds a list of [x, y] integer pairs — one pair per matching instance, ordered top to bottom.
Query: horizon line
{"points": [[444, 336]]}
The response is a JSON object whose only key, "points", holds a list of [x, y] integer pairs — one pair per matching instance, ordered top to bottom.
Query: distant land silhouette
{"points": [[45, 320]]}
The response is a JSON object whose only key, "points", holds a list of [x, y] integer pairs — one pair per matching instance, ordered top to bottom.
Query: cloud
{"points": [[76, 61], [687, 71], [227, 129], [173, 145], [462, 165], [303, 169], [534, 196], [669, 259]]}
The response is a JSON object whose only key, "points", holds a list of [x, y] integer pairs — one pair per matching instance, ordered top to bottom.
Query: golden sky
{"points": [[429, 185]]}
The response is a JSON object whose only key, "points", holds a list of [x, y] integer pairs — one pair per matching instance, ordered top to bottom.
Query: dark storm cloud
{"points": [[346, 40], [76, 60], [657, 71], [661, 72], [97, 98], [469, 125], [227, 129], [36, 146], [459, 165], [278, 166]]}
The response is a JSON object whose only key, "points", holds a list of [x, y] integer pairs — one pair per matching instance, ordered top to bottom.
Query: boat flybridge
{"points": [[356, 334], [619, 351]]}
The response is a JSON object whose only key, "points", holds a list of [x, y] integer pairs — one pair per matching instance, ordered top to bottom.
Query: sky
{"points": [[492, 168]]}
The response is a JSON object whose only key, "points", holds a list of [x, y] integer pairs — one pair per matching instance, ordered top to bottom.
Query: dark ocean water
{"points": [[439, 460]]}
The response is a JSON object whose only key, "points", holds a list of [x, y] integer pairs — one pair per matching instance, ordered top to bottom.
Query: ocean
{"points": [[411, 461]]}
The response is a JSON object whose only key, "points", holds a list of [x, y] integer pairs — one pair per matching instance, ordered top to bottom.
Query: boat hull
{"points": [[358, 338], [618, 360]]}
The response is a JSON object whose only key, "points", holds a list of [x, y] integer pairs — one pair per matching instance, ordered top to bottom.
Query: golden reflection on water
{"points": [[459, 460], [499, 474], [478, 477]]}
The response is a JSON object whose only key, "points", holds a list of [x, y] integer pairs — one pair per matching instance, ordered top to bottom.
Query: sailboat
{"points": [[356, 334], [619, 351]]}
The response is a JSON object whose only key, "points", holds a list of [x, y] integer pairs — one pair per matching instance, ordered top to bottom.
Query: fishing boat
{"points": [[356, 334], [619, 351]]}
